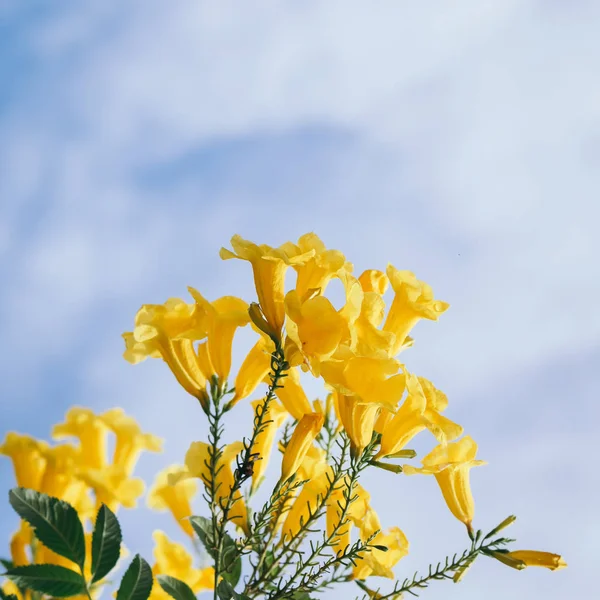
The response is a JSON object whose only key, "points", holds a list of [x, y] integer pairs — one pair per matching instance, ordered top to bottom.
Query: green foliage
{"points": [[55, 522], [106, 543], [52, 580], [137, 581], [175, 588], [225, 591]]}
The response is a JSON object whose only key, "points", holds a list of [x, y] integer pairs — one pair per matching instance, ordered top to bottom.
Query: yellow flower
{"points": [[268, 266], [316, 272], [375, 281], [413, 300], [223, 317], [168, 331], [372, 341], [253, 370], [293, 396], [420, 410], [274, 418], [358, 419], [90, 430], [130, 440], [300, 443], [26, 454], [197, 460], [451, 464], [113, 487], [174, 497], [355, 514], [19, 545], [535, 558], [174, 560], [379, 562]]}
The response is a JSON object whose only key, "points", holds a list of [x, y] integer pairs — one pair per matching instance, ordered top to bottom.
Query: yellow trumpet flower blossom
{"points": [[269, 266], [413, 300], [223, 317], [168, 331], [372, 341], [253, 370], [293, 396], [420, 410], [274, 419], [358, 419], [90, 430], [130, 440], [300, 443], [26, 454], [196, 460], [450, 464], [175, 498], [535, 558], [173, 559], [379, 562]]}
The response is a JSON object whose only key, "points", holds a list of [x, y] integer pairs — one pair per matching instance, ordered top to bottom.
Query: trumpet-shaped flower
{"points": [[269, 266], [413, 300], [223, 317], [168, 331], [370, 340], [253, 370], [292, 395], [419, 411], [274, 418], [358, 419], [90, 430], [130, 440], [300, 443], [26, 454], [197, 461], [451, 463], [175, 498], [535, 558], [174, 560], [380, 562]]}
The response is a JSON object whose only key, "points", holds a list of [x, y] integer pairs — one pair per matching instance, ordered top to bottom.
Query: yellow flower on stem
{"points": [[269, 266], [413, 301], [223, 317], [169, 331], [253, 370], [292, 395], [421, 410], [273, 419], [358, 419], [90, 430], [130, 440], [300, 443], [27, 457], [197, 461], [450, 464], [113, 487], [175, 498], [535, 558], [174, 560], [380, 562]]}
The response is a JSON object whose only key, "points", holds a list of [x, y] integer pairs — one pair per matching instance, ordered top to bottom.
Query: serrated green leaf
{"points": [[55, 522], [203, 528], [106, 543], [7, 564], [53, 580], [137, 581], [175, 588], [225, 591]]}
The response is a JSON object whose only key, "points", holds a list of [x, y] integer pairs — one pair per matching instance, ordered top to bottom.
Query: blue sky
{"points": [[460, 142]]}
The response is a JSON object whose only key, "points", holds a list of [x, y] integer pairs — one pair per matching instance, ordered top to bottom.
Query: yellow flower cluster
{"points": [[79, 471]]}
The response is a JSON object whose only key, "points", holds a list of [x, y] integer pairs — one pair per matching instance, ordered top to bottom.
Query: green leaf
{"points": [[55, 522], [203, 528], [106, 543], [229, 555], [7, 564], [53, 580], [137, 581], [175, 588], [225, 591]]}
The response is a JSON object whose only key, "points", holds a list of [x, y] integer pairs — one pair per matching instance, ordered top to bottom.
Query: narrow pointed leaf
{"points": [[54, 521], [106, 543], [7, 564], [52, 580], [137, 581], [175, 588]]}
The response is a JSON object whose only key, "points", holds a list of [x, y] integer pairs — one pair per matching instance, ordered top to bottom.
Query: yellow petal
{"points": [[302, 439], [535, 558]]}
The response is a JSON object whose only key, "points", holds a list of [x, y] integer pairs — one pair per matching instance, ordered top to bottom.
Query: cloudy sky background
{"points": [[461, 142]]}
